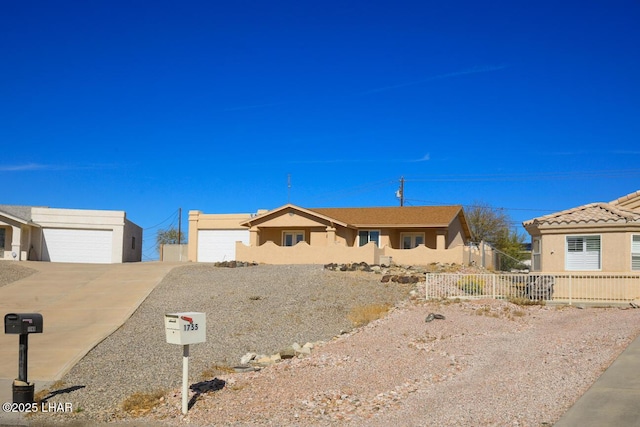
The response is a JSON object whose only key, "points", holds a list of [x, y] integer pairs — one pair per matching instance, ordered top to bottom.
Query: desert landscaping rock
{"points": [[302, 303]]}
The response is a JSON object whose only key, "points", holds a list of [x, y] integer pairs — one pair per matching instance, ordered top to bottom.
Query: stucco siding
{"points": [[454, 234], [318, 237], [132, 242], [615, 250], [34, 252], [303, 253]]}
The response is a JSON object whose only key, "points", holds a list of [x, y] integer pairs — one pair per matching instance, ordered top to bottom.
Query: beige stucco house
{"points": [[290, 234], [68, 235], [213, 237], [598, 237]]}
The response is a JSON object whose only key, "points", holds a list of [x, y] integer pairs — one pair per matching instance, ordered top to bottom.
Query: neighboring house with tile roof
{"points": [[290, 234], [68, 235], [597, 237]]}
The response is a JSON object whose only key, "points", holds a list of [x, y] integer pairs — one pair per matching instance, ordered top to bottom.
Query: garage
{"points": [[77, 245], [220, 245]]}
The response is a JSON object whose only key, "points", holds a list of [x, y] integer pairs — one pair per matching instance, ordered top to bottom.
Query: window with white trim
{"points": [[2, 234], [366, 236], [291, 238], [411, 240], [536, 250], [635, 252], [583, 253]]}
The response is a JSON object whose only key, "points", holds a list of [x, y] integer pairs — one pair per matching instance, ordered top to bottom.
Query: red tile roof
{"points": [[593, 213]]}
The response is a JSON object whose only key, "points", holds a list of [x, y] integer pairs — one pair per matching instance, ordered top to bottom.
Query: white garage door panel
{"points": [[220, 245], [83, 246]]}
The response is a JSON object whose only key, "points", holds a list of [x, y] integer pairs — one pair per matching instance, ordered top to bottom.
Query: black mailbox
{"points": [[23, 323]]}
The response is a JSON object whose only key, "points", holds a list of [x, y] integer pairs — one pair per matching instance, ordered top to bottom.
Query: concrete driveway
{"points": [[81, 305]]}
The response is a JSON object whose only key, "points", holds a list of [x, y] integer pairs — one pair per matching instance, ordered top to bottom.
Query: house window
{"points": [[2, 233], [366, 236], [290, 238], [411, 240], [133, 242], [536, 250], [635, 252], [583, 253]]}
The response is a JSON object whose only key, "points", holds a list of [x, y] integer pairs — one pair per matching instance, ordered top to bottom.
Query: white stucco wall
{"points": [[123, 230]]}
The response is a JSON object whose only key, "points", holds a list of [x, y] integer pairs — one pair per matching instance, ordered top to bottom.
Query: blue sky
{"points": [[148, 106]]}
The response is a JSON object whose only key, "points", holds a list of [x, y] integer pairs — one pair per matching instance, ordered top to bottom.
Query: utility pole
{"points": [[288, 188], [400, 193], [179, 226]]}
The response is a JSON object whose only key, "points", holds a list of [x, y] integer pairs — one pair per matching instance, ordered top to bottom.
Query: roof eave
{"points": [[248, 223]]}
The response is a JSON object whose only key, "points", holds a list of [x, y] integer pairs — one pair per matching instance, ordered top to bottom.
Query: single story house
{"points": [[290, 234], [68, 235], [597, 237]]}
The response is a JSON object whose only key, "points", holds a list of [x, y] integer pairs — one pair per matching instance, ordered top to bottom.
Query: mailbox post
{"points": [[23, 324], [184, 329]]}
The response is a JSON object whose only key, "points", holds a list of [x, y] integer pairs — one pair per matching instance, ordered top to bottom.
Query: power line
{"points": [[612, 173], [479, 206], [173, 215]]}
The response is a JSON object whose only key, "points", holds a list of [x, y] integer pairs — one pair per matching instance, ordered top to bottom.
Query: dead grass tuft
{"points": [[526, 301], [363, 314], [214, 370], [57, 385], [139, 404]]}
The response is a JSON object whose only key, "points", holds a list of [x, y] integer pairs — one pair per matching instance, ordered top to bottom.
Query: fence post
{"points": [[493, 285], [426, 286], [570, 290]]}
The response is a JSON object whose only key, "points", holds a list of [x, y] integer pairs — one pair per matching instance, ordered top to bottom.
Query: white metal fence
{"points": [[561, 287]]}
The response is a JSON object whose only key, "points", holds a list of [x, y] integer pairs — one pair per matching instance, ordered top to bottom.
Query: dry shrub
{"points": [[526, 301], [363, 314], [42, 394], [139, 403]]}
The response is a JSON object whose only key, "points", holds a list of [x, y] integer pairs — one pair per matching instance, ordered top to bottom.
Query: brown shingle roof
{"points": [[594, 213], [434, 216]]}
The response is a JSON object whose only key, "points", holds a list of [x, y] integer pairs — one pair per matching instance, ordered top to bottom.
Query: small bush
{"points": [[471, 285], [361, 315]]}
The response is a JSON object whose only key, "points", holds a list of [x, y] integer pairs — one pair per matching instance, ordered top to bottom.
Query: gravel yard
{"points": [[10, 271], [262, 309], [487, 363]]}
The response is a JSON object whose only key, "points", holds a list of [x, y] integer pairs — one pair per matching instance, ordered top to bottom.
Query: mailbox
{"points": [[23, 323], [185, 328]]}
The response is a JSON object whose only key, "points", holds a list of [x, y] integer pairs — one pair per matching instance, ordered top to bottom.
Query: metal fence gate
{"points": [[559, 287]]}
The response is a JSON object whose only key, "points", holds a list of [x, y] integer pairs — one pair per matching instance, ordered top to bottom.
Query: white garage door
{"points": [[220, 245], [84, 246]]}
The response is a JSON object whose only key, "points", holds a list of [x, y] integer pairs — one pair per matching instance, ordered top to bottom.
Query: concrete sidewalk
{"points": [[81, 305], [614, 399]]}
